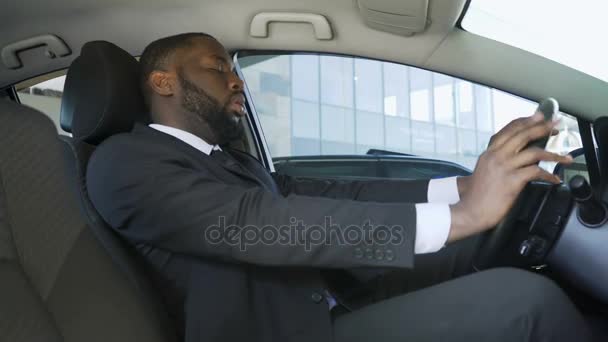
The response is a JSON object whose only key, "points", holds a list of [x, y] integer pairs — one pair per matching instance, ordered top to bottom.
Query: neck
{"points": [[186, 122]]}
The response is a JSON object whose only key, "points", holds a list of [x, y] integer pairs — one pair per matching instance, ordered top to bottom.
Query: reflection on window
{"points": [[420, 105]]}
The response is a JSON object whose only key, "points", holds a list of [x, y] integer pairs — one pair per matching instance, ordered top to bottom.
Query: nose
{"points": [[235, 83]]}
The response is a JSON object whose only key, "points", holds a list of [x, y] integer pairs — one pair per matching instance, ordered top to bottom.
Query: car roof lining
{"points": [[443, 47]]}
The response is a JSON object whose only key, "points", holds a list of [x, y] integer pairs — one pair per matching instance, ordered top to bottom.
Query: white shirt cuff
{"points": [[443, 190], [433, 221]]}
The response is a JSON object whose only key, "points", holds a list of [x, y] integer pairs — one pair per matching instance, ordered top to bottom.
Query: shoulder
{"points": [[130, 146], [126, 155]]}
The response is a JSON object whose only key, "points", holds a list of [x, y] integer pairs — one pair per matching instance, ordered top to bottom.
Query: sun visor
{"points": [[396, 16]]}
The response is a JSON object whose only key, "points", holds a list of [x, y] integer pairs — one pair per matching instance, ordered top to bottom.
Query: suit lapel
{"points": [[229, 164]]}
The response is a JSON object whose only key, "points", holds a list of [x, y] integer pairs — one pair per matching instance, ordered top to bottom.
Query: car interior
{"points": [[66, 276]]}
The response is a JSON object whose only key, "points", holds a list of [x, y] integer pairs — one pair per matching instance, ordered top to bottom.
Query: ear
{"points": [[162, 83]]}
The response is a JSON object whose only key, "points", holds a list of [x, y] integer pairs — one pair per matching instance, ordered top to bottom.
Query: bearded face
{"points": [[224, 124]]}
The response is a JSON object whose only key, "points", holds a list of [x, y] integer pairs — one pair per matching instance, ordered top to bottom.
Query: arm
{"points": [[410, 191], [162, 202]]}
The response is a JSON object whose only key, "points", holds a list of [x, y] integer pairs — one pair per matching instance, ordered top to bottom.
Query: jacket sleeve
{"points": [[389, 190], [162, 201]]}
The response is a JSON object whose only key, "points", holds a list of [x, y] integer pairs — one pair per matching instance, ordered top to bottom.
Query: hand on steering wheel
{"points": [[501, 173]]}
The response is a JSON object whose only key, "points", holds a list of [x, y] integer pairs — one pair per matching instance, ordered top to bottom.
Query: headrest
{"points": [[102, 95]]}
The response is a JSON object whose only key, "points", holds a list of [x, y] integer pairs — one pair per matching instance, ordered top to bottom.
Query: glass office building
{"points": [[322, 105]]}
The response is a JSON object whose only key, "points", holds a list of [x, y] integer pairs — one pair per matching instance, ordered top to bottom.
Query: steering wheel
{"points": [[494, 241]]}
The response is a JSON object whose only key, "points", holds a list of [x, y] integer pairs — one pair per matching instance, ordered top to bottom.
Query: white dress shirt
{"points": [[433, 219]]}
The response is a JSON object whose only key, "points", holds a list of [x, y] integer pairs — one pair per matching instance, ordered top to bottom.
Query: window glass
{"points": [[567, 32], [337, 81], [305, 82], [368, 85], [396, 90], [44, 94], [465, 96], [420, 97], [443, 100], [333, 105], [466, 106], [507, 107], [483, 108], [421, 110], [306, 120], [370, 130], [398, 134], [338, 137], [423, 138], [446, 140], [467, 143]]}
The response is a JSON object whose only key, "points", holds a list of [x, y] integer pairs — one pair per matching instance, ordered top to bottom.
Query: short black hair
{"points": [[157, 54]]}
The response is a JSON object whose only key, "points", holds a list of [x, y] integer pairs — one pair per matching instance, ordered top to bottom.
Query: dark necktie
{"points": [[221, 156]]}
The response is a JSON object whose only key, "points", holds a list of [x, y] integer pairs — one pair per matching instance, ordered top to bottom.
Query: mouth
{"points": [[237, 104]]}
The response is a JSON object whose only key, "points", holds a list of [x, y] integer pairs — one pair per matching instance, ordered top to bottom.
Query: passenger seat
{"points": [[57, 283]]}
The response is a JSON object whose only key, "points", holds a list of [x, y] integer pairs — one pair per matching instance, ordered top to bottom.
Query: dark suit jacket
{"points": [[161, 194]]}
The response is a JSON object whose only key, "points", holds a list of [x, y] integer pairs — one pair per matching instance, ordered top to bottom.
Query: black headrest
{"points": [[101, 96]]}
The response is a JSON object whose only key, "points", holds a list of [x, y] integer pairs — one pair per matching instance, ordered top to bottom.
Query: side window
{"points": [[44, 94], [314, 104]]}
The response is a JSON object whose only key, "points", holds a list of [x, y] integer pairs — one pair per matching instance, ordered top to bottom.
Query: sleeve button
{"points": [[358, 253], [389, 255], [316, 297]]}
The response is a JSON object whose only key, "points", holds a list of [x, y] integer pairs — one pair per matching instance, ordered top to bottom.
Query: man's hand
{"points": [[501, 173]]}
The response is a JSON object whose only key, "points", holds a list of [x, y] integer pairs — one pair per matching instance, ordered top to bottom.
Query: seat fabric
{"points": [[58, 283]]}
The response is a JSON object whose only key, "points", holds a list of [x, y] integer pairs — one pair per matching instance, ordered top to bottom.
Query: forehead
{"points": [[205, 48]]}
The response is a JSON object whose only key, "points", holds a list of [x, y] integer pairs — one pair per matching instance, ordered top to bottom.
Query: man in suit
{"points": [[239, 252]]}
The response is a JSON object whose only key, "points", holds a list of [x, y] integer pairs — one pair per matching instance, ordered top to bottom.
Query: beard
{"points": [[205, 109]]}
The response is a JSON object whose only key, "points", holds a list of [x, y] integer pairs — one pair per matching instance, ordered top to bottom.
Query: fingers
{"points": [[514, 127], [525, 136], [535, 154], [533, 172]]}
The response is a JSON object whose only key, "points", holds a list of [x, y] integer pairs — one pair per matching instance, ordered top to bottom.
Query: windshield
{"points": [[572, 33]]}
